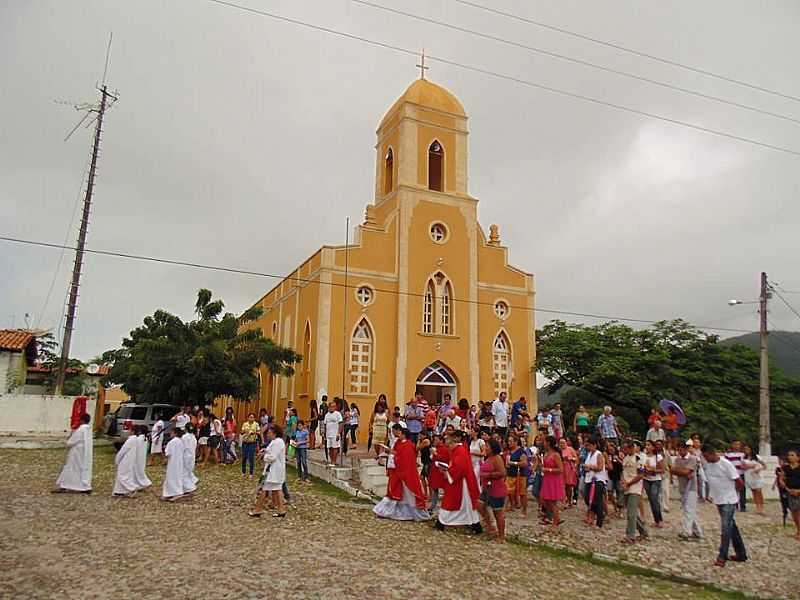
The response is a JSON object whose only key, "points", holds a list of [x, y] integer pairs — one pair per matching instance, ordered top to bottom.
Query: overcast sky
{"points": [[243, 141]]}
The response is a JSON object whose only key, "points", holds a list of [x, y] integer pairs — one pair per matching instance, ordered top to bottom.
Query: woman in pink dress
{"points": [[569, 459], [553, 482]]}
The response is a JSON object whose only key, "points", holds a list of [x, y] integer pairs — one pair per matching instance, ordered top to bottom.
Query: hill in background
{"points": [[784, 349]]}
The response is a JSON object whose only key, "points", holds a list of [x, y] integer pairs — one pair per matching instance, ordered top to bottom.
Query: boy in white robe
{"points": [[157, 442], [189, 457], [76, 475], [141, 478], [173, 479], [125, 481]]}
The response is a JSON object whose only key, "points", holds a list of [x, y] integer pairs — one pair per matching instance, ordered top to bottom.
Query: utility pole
{"points": [[76, 269], [764, 437]]}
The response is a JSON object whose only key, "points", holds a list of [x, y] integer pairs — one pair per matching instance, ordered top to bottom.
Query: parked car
{"points": [[118, 425]]}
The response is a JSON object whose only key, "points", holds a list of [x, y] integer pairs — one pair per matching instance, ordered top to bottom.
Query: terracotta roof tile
{"points": [[15, 340]]}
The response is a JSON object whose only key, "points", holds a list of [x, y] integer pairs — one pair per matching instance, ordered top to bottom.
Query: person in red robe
{"points": [[436, 477], [404, 500], [460, 502]]}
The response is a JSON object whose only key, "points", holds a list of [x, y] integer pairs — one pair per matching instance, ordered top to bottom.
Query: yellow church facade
{"points": [[421, 299]]}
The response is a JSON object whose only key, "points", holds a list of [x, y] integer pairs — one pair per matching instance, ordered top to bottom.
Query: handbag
{"points": [[290, 453]]}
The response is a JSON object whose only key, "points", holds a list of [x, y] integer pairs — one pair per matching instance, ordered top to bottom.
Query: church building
{"points": [[421, 299]]}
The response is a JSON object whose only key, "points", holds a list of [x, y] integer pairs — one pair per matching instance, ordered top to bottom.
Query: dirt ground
{"points": [[329, 547]]}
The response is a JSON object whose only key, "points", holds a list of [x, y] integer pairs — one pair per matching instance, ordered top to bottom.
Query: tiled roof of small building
{"points": [[15, 340]]}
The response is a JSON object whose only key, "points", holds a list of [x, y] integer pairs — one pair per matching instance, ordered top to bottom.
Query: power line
{"points": [[629, 50], [576, 60], [525, 82], [63, 251], [298, 279], [786, 302], [784, 341]]}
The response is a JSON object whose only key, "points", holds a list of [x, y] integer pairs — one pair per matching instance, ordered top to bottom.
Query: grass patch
{"points": [[326, 489], [704, 591]]}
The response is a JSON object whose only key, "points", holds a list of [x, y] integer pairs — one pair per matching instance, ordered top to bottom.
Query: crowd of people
{"points": [[487, 460], [463, 465]]}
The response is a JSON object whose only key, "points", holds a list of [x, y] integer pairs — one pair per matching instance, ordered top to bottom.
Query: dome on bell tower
{"points": [[425, 94]]}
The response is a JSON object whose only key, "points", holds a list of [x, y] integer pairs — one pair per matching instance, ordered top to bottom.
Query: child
{"points": [[157, 442], [301, 450], [173, 480]]}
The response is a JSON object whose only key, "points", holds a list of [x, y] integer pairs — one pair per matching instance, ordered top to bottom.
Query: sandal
{"points": [[254, 514], [279, 515]]}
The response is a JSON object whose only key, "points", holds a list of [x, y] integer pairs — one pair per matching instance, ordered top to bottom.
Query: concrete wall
{"points": [[12, 371], [26, 414]]}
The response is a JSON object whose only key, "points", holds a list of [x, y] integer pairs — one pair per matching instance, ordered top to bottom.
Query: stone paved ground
{"points": [[79, 546], [772, 549]]}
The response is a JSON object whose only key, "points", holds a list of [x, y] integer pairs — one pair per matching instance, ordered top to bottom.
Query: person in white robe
{"points": [[157, 442], [189, 457], [76, 475], [140, 476], [274, 476], [174, 477], [125, 481]]}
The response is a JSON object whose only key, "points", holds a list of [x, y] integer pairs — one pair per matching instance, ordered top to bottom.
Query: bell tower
{"points": [[422, 143]]}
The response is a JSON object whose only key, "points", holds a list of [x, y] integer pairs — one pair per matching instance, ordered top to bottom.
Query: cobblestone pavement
{"points": [[97, 546], [771, 548]]}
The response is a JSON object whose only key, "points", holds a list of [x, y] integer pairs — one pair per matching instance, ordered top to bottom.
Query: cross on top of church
{"points": [[422, 67]]}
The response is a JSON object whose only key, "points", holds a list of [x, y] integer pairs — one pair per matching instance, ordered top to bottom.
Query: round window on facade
{"points": [[438, 233], [365, 295], [501, 309]]}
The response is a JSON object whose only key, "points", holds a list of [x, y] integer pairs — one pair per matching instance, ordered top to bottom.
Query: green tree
{"points": [[217, 354], [49, 356], [717, 385]]}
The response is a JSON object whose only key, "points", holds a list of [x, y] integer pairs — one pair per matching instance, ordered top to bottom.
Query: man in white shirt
{"points": [[500, 414], [182, 417], [333, 432], [656, 433], [722, 477]]}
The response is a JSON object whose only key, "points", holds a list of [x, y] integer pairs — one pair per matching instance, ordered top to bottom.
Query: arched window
{"points": [[435, 165], [388, 172], [447, 298], [437, 306], [427, 308], [361, 358], [501, 363], [306, 364]]}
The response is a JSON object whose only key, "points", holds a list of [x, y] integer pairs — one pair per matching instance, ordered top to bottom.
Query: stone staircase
{"points": [[357, 474]]}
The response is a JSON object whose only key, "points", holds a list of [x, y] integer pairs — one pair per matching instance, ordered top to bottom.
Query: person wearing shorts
{"points": [[493, 490]]}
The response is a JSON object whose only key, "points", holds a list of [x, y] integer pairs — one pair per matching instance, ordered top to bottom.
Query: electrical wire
{"points": [[629, 50], [578, 61], [511, 78], [63, 250], [298, 279], [786, 302], [777, 335]]}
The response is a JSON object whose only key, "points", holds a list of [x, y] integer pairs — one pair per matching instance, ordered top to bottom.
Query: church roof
{"points": [[424, 93]]}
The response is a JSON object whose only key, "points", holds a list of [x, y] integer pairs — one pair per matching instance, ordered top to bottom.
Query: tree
{"points": [[49, 356], [168, 360], [632, 370]]}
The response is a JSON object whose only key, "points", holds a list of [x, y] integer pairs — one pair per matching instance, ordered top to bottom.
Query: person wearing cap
{"points": [[685, 466]]}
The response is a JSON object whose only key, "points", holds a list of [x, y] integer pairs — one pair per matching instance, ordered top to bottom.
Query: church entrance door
{"points": [[435, 381]]}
